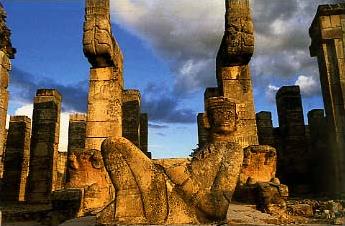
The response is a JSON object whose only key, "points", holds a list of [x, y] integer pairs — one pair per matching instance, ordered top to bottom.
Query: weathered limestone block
{"points": [[328, 41], [100, 47], [131, 101], [144, 134], [294, 144], [44, 146], [16, 164], [259, 164], [257, 182], [175, 191]]}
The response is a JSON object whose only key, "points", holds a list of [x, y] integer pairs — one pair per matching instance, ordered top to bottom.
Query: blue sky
{"points": [[169, 48]]}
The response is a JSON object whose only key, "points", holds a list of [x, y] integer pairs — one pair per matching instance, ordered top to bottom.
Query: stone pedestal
{"points": [[44, 146], [16, 165]]}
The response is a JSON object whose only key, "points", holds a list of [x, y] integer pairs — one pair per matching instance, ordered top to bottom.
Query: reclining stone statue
{"points": [[196, 190]]}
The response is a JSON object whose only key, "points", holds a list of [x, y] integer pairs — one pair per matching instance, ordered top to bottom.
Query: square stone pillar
{"points": [[328, 43], [5, 67], [104, 118], [44, 146], [294, 159], [16, 164]]}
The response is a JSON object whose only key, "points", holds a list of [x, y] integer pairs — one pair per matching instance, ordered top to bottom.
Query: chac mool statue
{"points": [[192, 191]]}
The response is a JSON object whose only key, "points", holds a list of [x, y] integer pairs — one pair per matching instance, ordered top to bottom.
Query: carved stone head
{"points": [[221, 115]]}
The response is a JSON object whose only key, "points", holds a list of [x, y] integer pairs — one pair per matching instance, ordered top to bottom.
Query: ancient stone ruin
{"points": [[327, 34], [7, 52], [108, 173]]}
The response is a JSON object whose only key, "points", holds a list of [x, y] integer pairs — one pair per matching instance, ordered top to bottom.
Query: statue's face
{"points": [[223, 118]]}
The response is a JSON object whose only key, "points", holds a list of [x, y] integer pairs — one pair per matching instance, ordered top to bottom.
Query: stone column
{"points": [[328, 43], [7, 52], [5, 67], [233, 72], [131, 116], [104, 118], [265, 128], [144, 133], [44, 145], [16, 164], [293, 164]]}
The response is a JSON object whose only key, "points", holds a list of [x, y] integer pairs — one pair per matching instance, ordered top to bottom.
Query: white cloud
{"points": [[308, 85], [271, 91], [25, 110], [64, 122]]}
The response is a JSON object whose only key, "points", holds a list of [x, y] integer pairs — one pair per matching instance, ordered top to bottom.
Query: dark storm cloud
{"points": [[23, 88], [164, 107]]}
